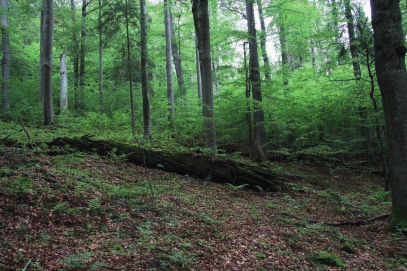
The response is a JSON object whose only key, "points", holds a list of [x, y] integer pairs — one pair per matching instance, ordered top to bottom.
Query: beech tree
{"points": [[47, 17], [201, 22], [390, 50], [6, 57], [168, 60], [144, 70], [254, 78], [64, 81]]}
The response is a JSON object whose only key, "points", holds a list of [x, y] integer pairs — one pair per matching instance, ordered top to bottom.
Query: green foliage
{"points": [[21, 185], [236, 187], [94, 204], [326, 258], [76, 261]]}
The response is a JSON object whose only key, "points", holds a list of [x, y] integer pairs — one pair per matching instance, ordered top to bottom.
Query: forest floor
{"points": [[85, 212]]}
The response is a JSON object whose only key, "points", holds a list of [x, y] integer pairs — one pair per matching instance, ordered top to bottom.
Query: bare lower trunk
{"points": [[168, 61], [5, 64], [46, 69], [144, 69], [391, 73], [64, 82]]}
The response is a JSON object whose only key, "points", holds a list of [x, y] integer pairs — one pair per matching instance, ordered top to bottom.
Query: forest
{"points": [[203, 135]]}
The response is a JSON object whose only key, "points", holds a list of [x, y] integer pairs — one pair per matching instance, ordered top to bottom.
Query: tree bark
{"points": [[201, 22], [263, 41], [390, 50], [75, 58], [168, 61], [177, 63], [5, 64], [82, 66], [46, 69], [144, 70], [130, 73], [64, 82], [101, 107], [258, 114], [195, 165]]}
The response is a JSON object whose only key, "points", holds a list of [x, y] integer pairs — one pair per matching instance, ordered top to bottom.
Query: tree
{"points": [[47, 17], [201, 21], [263, 41], [390, 50], [75, 58], [168, 60], [177, 63], [5, 64], [82, 66], [144, 70], [254, 78], [64, 82], [101, 109], [132, 114]]}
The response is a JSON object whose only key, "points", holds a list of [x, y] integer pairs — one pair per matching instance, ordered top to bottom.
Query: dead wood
{"points": [[217, 169], [352, 222]]}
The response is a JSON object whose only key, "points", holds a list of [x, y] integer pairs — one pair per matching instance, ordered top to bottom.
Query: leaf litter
{"points": [[84, 212]]}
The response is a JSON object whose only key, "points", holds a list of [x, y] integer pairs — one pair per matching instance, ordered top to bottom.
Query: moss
{"points": [[398, 218]]}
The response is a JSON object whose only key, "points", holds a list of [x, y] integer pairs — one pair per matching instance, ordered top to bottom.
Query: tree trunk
{"points": [[201, 22], [263, 41], [354, 50], [284, 53], [75, 58], [168, 62], [177, 63], [5, 64], [198, 68], [46, 69], [144, 70], [391, 73], [64, 82], [81, 90], [101, 107], [132, 113], [259, 129], [195, 165]]}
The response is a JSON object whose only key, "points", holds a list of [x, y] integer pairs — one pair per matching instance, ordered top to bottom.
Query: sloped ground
{"points": [[84, 212]]}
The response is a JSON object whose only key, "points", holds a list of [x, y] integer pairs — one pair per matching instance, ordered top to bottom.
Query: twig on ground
{"points": [[350, 223]]}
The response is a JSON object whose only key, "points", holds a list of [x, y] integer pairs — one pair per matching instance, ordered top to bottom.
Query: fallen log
{"points": [[217, 169]]}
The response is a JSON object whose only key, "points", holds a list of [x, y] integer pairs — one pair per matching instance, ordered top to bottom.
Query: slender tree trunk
{"points": [[201, 20], [352, 40], [263, 41], [390, 50], [284, 53], [75, 58], [168, 61], [177, 63], [5, 64], [198, 68], [46, 69], [144, 69], [82, 70], [64, 82], [248, 103], [101, 107], [132, 113], [258, 115], [365, 130]]}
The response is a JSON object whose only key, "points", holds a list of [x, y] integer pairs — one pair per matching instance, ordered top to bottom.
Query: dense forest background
{"points": [[318, 85]]}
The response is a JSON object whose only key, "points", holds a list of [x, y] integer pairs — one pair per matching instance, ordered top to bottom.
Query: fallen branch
{"points": [[217, 169], [350, 223]]}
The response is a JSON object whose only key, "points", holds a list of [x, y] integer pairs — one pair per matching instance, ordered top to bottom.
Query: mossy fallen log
{"points": [[202, 166]]}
